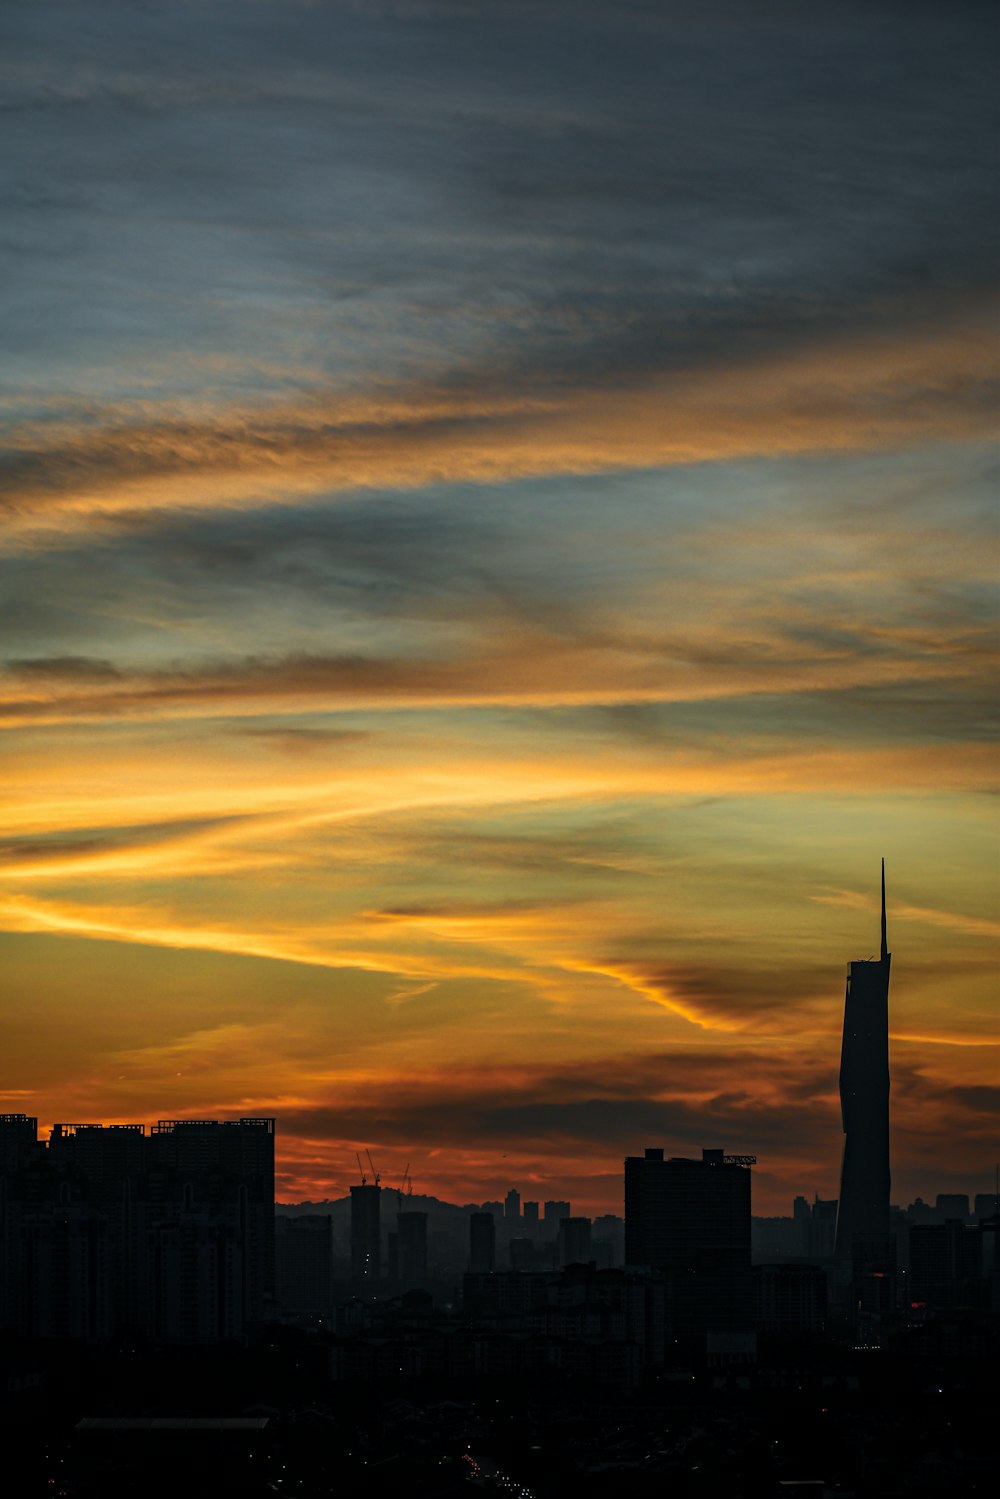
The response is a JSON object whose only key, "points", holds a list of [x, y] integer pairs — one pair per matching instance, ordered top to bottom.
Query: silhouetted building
{"points": [[18, 1140], [18, 1147], [225, 1172], [512, 1205], [952, 1205], [986, 1205], [529, 1212], [553, 1212], [802, 1215], [863, 1215], [691, 1221], [110, 1231], [366, 1232], [989, 1232], [822, 1235], [411, 1236], [774, 1240], [573, 1242], [608, 1242], [482, 1243], [522, 1254], [304, 1262], [946, 1265], [790, 1299], [603, 1324]]}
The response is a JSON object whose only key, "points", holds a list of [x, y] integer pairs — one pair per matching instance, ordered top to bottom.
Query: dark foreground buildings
{"points": [[110, 1229]]}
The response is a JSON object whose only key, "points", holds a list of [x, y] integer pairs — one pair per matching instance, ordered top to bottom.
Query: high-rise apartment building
{"points": [[553, 1212], [690, 1220], [112, 1230], [366, 1232], [573, 1241], [411, 1242], [482, 1243], [304, 1262]]}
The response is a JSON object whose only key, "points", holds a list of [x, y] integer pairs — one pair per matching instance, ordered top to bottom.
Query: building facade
{"points": [[690, 1220], [109, 1230]]}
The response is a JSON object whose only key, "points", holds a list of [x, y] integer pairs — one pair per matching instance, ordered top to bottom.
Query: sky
{"points": [[497, 540]]}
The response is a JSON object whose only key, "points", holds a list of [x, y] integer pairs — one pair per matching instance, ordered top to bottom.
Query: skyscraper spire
{"points": [[863, 1211]]}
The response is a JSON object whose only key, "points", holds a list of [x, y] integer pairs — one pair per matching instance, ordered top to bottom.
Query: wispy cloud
{"points": [[866, 395], [495, 542]]}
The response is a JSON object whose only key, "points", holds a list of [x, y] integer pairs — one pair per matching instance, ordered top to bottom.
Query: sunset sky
{"points": [[498, 539]]}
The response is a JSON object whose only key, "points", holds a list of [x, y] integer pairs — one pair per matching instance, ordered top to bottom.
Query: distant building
{"points": [[18, 1140], [512, 1205], [529, 1211], [554, 1211], [690, 1220], [366, 1232], [411, 1234], [822, 1236], [774, 1240], [608, 1241], [573, 1242], [482, 1243], [522, 1254], [304, 1262], [946, 1265], [790, 1300], [581, 1320]]}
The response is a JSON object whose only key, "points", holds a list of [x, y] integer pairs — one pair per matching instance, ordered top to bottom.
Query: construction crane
{"points": [[372, 1165], [361, 1168], [405, 1186]]}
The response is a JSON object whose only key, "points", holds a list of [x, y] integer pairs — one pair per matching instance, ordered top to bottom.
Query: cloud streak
{"points": [[842, 398], [495, 543]]}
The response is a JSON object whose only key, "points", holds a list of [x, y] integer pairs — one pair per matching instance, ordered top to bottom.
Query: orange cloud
{"points": [[852, 395]]}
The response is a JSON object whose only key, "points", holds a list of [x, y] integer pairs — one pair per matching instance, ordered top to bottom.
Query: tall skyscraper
{"points": [[863, 1214]]}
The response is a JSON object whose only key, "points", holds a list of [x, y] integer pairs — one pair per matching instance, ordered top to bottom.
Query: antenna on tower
{"points": [[885, 945]]}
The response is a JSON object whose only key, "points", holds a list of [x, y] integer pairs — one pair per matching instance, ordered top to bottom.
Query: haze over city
{"points": [[496, 547]]}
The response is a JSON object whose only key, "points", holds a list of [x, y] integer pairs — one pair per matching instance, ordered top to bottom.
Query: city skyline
{"points": [[495, 545]]}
